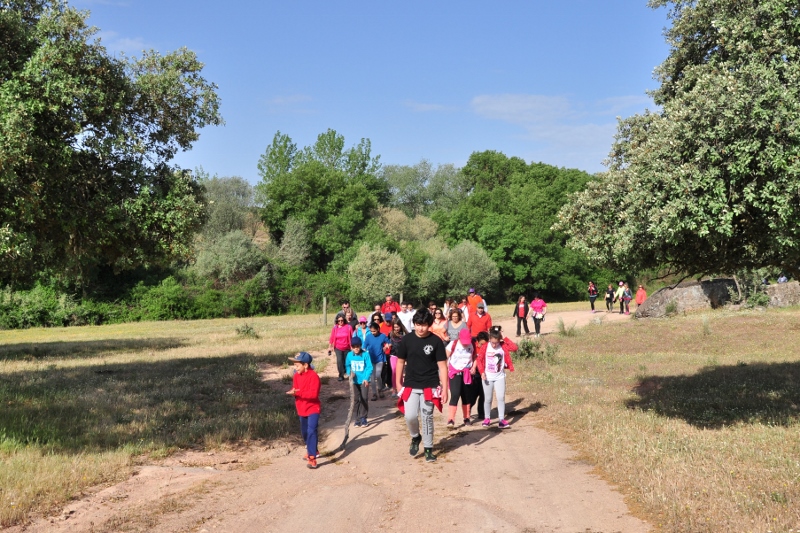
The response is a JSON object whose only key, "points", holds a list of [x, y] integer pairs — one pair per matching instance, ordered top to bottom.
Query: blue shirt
{"points": [[374, 345], [360, 366]]}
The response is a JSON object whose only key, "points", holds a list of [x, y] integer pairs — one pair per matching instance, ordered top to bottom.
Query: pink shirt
{"points": [[538, 305], [340, 336]]}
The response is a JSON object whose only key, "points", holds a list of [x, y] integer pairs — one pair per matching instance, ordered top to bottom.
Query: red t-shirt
{"points": [[390, 307], [521, 312], [476, 323], [306, 399]]}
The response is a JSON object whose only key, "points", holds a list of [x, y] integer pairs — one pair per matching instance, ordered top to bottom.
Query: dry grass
{"points": [[81, 405], [696, 418]]}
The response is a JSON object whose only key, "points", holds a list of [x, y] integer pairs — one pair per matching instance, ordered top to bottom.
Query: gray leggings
{"points": [[377, 380], [499, 387], [415, 405]]}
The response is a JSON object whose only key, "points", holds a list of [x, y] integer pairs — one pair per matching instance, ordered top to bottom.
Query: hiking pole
{"points": [[349, 416]]}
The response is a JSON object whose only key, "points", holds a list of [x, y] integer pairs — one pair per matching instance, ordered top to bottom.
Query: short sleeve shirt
{"points": [[422, 356]]}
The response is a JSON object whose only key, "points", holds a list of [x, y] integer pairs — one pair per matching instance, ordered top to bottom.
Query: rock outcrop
{"points": [[784, 294], [688, 296]]}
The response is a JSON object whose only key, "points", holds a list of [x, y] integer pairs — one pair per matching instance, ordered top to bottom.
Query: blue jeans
{"points": [[308, 429]]}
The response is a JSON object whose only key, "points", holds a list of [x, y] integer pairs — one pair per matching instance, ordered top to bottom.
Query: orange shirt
{"points": [[473, 300], [476, 323]]}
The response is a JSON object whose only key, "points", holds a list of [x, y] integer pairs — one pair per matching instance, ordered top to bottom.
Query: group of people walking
{"points": [[621, 294], [425, 358]]}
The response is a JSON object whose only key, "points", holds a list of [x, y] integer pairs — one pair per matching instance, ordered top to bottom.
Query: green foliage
{"points": [[85, 145], [708, 183], [421, 189], [331, 190], [229, 202], [510, 214], [294, 248], [233, 257], [375, 271], [454, 271], [671, 309], [564, 330], [247, 331], [536, 349]]}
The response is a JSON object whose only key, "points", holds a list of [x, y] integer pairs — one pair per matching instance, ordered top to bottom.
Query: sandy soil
{"points": [[521, 479]]}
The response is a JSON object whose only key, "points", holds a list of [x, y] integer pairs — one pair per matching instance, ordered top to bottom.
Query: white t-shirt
{"points": [[406, 318], [460, 355], [495, 363]]}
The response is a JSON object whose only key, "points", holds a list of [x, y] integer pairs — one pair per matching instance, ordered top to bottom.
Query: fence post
{"points": [[401, 298], [324, 310]]}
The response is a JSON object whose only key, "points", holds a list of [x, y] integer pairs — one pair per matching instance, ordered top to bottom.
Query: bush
{"points": [[233, 257], [376, 271], [455, 271], [536, 349]]}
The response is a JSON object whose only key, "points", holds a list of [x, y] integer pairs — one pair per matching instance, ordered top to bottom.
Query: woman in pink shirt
{"points": [[538, 310], [341, 334]]}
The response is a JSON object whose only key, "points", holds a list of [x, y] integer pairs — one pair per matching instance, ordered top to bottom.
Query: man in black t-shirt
{"points": [[422, 356]]}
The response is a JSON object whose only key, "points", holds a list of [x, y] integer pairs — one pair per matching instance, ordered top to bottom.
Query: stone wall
{"points": [[784, 294]]}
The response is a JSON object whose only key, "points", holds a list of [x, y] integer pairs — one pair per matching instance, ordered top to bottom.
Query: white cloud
{"points": [[130, 46], [293, 103], [426, 108], [561, 131]]}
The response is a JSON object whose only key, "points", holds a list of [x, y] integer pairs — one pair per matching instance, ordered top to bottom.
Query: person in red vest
{"points": [[389, 308], [479, 321]]}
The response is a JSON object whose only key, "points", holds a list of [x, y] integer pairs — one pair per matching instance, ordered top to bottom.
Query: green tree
{"points": [[85, 145], [707, 183], [422, 189], [331, 190], [229, 203], [232, 257], [376, 271], [453, 272]]}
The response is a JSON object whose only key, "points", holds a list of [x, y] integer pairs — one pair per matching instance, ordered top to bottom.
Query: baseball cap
{"points": [[621, 284], [472, 290], [362, 319], [464, 336], [355, 341], [302, 357]]}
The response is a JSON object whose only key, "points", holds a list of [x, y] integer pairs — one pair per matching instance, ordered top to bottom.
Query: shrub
{"points": [[233, 257], [376, 271], [166, 301], [671, 309], [247, 331], [566, 331], [536, 349]]}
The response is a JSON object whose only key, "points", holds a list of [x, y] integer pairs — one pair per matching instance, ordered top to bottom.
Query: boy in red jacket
{"points": [[305, 389]]}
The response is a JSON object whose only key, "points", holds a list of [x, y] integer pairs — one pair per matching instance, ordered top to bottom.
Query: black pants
{"points": [[591, 301], [609, 304], [621, 306], [522, 320], [537, 324], [340, 359], [386, 375], [460, 391], [477, 395], [362, 405]]}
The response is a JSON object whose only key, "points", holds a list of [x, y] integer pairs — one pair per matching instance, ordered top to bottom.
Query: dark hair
{"points": [[535, 295], [519, 300], [344, 302], [405, 302], [431, 303], [455, 310], [376, 314], [423, 316], [396, 320], [374, 325], [495, 332], [482, 336]]}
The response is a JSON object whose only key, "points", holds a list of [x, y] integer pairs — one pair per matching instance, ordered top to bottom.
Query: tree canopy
{"points": [[85, 145], [709, 182]]}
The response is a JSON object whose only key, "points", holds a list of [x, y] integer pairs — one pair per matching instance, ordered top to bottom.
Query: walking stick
{"points": [[349, 416]]}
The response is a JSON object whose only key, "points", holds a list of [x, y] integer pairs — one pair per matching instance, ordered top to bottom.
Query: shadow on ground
{"points": [[31, 351], [720, 396], [144, 405]]}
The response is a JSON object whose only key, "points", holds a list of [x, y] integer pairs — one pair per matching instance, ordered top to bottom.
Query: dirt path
{"points": [[521, 479]]}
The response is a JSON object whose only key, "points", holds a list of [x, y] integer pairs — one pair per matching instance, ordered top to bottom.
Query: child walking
{"points": [[374, 345], [493, 358], [460, 363], [359, 365], [305, 389]]}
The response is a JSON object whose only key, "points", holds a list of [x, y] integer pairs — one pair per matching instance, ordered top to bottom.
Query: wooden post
{"points": [[401, 298], [324, 310]]}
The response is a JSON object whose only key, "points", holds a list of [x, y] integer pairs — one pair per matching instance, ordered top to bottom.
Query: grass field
{"points": [[80, 406], [696, 418]]}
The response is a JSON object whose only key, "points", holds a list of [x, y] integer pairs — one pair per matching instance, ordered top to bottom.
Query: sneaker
{"points": [[340, 378], [374, 398], [364, 422], [467, 422], [358, 423], [486, 423], [451, 424], [503, 424], [414, 448], [305, 456], [429, 457], [312, 463]]}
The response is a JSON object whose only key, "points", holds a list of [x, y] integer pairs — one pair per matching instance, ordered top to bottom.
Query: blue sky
{"points": [[541, 80]]}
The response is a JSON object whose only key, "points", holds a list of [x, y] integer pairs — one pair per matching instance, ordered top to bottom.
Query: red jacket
{"points": [[390, 307], [476, 323], [508, 347], [306, 399]]}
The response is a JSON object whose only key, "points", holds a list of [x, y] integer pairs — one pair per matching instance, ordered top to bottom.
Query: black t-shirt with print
{"points": [[421, 356]]}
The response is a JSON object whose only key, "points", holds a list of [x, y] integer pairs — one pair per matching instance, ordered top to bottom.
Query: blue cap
{"points": [[355, 341], [302, 357]]}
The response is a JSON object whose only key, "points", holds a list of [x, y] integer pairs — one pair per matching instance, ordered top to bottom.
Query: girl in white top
{"points": [[493, 359], [460, 369]]}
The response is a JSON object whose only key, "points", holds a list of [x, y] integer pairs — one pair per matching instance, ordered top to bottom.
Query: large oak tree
{"points": [[86, 141], [708, 183]]}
